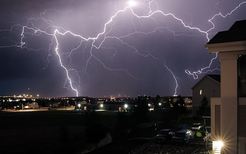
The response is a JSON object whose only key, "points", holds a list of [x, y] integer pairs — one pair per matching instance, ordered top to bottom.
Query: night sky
{"points": [[134, 64]]}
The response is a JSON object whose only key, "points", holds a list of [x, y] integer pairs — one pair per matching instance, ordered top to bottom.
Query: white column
{"points": [[229, 101]]}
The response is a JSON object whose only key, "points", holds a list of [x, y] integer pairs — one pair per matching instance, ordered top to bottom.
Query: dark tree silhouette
{"points": [[204, 109]]}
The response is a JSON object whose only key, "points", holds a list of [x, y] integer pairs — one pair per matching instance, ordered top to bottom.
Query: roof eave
{"points": [[239, 46], [207, 76], [214, 80]]}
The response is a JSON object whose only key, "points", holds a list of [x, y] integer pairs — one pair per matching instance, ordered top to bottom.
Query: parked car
{"points": [[18, 107], [197, 126], [198, 130], [182, 133], [164, 135], [207, 136]]}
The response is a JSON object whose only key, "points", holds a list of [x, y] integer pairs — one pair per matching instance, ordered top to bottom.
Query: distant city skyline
{"points": [[109, 48]]}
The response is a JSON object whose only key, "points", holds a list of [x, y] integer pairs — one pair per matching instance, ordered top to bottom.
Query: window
{"points": [[201, 92]]}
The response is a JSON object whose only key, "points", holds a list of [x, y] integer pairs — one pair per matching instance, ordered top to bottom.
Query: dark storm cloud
{"points": [[173, 45]]}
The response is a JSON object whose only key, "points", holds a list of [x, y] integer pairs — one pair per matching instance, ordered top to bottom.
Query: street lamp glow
{"points": [[132, 3], [101, 105], [125, 106], [217, 146]]}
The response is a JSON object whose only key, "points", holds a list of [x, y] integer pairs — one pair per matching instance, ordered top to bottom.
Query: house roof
{"points": [[236, 33], [214, 77]]}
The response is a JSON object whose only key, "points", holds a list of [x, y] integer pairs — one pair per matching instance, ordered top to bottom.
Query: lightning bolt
{"points": [[57, 33], [95, 42], [207, 69], [175, 79]]}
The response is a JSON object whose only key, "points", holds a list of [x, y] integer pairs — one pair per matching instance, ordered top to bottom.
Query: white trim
{"points": [[227, 46]]}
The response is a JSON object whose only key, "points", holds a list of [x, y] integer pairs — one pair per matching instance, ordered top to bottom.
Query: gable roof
{"points": [[236, 33], [214, 77]]}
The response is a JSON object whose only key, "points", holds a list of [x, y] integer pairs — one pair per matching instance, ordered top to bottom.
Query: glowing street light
{"points": [[132, 3], [101, 105], [125, 106], [217, 146]]}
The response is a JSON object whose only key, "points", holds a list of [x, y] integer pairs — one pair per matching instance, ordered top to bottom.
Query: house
{"points": [[207, 87], [228, 112]]}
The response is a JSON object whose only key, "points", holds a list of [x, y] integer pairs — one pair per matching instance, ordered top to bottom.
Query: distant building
{"points": [[207, 87], [188, 102], [228, 112]]}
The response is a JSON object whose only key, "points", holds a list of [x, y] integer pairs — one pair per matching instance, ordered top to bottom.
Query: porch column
{"points": [[229, 101]]}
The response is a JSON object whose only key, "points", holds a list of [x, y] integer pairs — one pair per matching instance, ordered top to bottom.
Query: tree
{"points": [[179, 105], [204, 109]]}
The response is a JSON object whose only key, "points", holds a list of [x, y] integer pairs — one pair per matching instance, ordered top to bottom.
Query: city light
{"points": [[101, 105], [125, 106], [26, 107], [151, 109]]}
